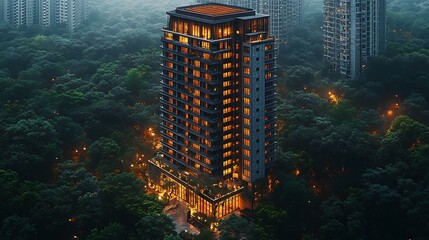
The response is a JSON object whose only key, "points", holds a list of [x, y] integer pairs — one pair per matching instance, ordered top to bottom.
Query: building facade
{"points": [[19, 12], [45, 12], [71, 12], [284, 14], [353, 31], [217, 104]]}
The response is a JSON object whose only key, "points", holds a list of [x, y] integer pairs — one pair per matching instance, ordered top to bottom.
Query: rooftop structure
{"points": [[214, 10], [284, 14]]}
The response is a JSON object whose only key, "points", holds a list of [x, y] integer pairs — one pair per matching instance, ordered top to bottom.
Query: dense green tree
{"points": [[154, 226], [17, 228], [235, 228], [112, 232]]}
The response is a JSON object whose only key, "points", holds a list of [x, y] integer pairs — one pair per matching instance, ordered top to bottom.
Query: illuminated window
{"points": [[195, 30], [227, 31], [206, 32], [168, 36], [183, 39], [205, 45], [223, 45], [268, 47], [226, 55], [206, 56], [246, 59], [197, 63], [226, 65], [246, 70], [196, 73], [227, 74], [268, 75], [207, 77], [246, 80], [226, 83], [246, 90], [227, 92], [197, 93], [227, 101], [246, 101], [196, 102], [227, 110], [247, 111], [196, 119], [227, 119], [247, 121], [227, 128], [246, 131], [227, 136], [207, 142], [246, 142], [227, 145], [196, 146], [246, 152], [227, 154], [227, 162], [246, 162], [227, 171], [246, 173]]}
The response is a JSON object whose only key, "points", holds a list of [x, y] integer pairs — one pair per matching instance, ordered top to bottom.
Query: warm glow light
{"points": [[334, 98], [390, 112], [297, 172]]}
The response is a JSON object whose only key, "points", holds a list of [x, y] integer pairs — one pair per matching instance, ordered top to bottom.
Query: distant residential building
{"points": [[19, 12], [44, 12], [71, 12], [284, 14], [353, 31]]}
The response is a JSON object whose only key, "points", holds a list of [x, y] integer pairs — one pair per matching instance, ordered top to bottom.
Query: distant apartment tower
{"points": [[19, 12], [45, 12], [71, 12], [284, 14], [353, 31], [217, 105]]}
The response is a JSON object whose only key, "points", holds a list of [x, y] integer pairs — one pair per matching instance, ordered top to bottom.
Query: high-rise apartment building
{"points": [[19, 12], [45, 12], [71, 12], [284, 14], [353, 31], [217, 105]]}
